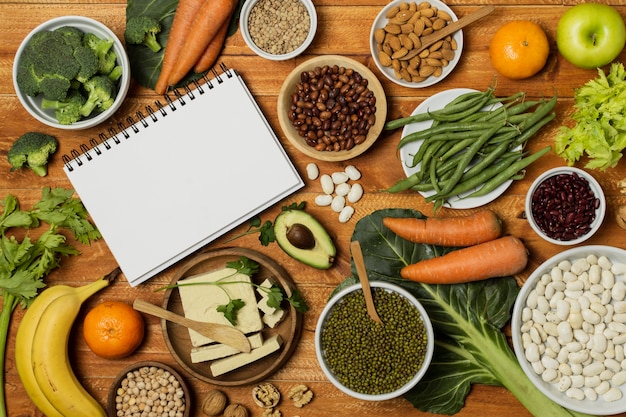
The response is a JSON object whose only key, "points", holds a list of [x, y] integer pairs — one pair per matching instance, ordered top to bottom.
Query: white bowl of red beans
{"points": [[278, 29], [565, 205]]}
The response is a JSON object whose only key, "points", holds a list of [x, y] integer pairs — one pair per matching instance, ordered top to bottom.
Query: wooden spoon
{"points": [[454, 26], [359, 263], [227, 335]]}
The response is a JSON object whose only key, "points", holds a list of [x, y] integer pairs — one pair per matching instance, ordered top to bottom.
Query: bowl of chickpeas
{"points": [[332, 108], [568, 329], [360, 356], [150, 387]]}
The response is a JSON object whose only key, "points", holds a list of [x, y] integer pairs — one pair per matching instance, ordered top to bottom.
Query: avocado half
{"points": [[303, 238]]}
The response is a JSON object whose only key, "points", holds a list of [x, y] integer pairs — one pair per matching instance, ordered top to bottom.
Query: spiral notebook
{"points": [[166, 182]]}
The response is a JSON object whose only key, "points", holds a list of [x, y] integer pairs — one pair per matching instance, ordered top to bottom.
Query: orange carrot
{"points": [[186, 12], [207, 23], [212, 51], [479, 227], [497, 258]]}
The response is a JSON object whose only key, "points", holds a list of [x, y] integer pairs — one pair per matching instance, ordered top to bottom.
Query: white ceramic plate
{"points": [[381, 21], [436, 102], [599, 406]]}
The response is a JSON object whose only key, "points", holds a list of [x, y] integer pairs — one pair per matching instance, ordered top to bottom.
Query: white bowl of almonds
{"points": [[396, 36], [569, 329]]}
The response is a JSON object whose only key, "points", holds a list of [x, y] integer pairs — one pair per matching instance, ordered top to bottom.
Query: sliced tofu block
{"points": [[266, 284], [200, 302], [262, 304], [271, 320], [219, 350], [224, 365]]}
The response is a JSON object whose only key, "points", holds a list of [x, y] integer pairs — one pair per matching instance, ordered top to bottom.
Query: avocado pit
{"points": [[300, 236]]}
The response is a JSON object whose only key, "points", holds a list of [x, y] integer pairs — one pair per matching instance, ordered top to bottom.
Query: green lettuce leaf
{"points": [[600, 129], [470, 347]]}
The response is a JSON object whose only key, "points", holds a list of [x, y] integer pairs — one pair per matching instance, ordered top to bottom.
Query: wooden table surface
{"points": [[344, 27]]}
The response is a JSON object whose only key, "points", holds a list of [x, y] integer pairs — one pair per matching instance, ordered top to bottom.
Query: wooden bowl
{"points": [[284, 103], [177, 337], [111, 403]]}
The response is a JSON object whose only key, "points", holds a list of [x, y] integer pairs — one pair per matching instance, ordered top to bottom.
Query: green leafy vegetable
{"points": [[146, 64], [600, 130], [24, 264], [246, 266], [470, 347]]}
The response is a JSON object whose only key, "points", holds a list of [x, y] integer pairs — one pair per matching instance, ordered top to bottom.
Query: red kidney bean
{"points": [[332, 108], [564, 206]]}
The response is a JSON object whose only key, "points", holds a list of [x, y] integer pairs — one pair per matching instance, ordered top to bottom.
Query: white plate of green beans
{"points": [[409, 150]]}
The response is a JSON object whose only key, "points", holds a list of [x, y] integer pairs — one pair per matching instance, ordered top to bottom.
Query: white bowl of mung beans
{"points": [[278, 29], [361, 357]]}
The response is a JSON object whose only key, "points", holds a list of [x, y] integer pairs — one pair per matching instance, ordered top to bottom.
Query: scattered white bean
{"points": [[312, 171], [353, 173], [339, 177], [328, 187], [342, 189], [355, 194], [323, 200], [338, 203], [345, 214], [574, 328]]}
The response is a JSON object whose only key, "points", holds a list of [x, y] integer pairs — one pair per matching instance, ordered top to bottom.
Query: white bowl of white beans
{"points": [[278, 29], [569, 329]]}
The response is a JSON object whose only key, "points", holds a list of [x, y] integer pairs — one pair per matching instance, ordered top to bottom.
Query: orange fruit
{"points": [[519, 49], [113, 329]]}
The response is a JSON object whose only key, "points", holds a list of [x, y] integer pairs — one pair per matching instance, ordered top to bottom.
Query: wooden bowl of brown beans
{"points": [[332, 108], [565, 205], [149, 387]]}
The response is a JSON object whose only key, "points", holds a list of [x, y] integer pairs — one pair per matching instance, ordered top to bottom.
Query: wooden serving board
{"points": [[177, 337]]}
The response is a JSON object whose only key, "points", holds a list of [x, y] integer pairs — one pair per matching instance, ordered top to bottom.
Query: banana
{"points": [[45, 335], [23, 347]]}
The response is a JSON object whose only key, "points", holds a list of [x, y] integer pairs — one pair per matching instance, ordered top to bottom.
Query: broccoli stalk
{"points": [[143, 30], [101, 94], [68, 110], [32, 149]]}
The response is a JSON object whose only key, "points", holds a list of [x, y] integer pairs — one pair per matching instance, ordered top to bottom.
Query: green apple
{"points": [[590, 35]]}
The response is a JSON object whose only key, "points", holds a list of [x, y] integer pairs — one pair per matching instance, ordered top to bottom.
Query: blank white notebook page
{"points": [[185, 179]]}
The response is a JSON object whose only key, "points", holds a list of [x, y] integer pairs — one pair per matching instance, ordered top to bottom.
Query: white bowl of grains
{"points": [[278, 29], [568, 328]]}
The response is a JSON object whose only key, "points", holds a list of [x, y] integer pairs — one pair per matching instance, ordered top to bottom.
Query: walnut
{"points": [[266, 395], [301, 395], [214, 403], [235, 410], [272, 412]]}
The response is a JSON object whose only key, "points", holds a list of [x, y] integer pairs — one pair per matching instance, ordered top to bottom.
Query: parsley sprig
{"points": [[265, 229], [246, 266]]}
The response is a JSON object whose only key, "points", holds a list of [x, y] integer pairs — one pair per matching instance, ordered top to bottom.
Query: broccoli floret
{"points": [[143, 30], [71, 35], [103, 48], [88, 63], [47, 66], [116, 73], [101, 94], [68, 110], [32, 149]]}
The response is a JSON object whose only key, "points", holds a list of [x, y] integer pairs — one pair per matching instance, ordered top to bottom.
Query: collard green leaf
{"points": [[145, 64], [467, 318]]}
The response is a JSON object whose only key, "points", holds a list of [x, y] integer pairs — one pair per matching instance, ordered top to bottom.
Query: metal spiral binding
{"points": [[94, 148]]}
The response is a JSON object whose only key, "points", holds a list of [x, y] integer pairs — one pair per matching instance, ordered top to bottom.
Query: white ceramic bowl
{"points": [[380, 22], [87, 25], [245, 33], [595, 187], [427, 357], [594, 407]]}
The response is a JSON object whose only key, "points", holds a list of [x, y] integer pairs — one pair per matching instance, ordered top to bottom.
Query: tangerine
{"points": [[519, 49], [113, 329]]}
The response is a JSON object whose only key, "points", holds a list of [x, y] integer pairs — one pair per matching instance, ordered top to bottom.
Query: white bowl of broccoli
{"points": [[71, 72]]}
